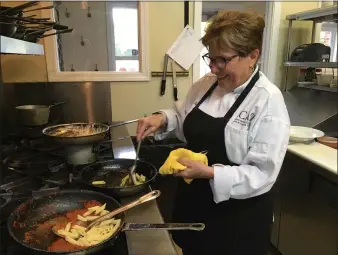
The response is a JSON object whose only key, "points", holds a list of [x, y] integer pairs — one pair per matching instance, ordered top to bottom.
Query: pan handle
{"points": [[19, 8], [41, 8], [59, 32], [58, 103], [123, 123], [97, 146], [35, 194], [146, 198], [165, 226]]}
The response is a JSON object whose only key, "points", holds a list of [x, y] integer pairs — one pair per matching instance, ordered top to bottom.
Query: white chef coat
{"points": [[256, 137]]}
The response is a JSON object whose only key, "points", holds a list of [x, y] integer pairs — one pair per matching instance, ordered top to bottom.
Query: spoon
{"points": [[146, 198]]}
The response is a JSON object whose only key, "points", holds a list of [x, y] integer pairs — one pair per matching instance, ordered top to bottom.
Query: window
{"points": [[123, 36], [109, 41]]}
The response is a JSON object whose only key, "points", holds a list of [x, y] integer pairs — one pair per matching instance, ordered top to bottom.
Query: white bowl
{"points": [[304, 134]]}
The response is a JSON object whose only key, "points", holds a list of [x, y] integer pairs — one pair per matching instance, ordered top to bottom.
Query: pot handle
{"points": [[58, 103], [97, 146], [35, 194], [145, 198], [164, 226]]}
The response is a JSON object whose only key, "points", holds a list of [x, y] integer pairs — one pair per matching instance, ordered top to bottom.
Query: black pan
{"points": [[112, 172], [48, 208]]}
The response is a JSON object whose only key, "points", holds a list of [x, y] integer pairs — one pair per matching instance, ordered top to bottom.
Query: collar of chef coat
{"points": [[240, 88]]}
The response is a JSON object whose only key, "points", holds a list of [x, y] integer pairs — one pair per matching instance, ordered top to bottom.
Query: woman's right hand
{"points": [[149, 125]]}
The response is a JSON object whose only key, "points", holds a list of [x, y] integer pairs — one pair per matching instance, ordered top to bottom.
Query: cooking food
{"points": [[75, 131], [171, 165], [140, 178], [98, 182], [75, 234]]}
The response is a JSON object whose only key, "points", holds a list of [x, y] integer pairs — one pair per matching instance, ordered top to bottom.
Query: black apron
{"points": [[233, 227]]}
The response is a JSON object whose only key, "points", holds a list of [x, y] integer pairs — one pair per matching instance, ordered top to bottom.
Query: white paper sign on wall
{"points": [[186, 48]]}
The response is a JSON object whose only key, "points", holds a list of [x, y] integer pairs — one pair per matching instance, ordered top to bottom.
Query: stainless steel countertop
{"points": [[309, 107], [147, 242]]}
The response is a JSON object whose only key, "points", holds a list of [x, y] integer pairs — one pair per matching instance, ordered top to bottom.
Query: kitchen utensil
{"points": [[41, 8], [18, 9], [67, 14], [89, 15], [29, 20], [35, 38], [164, 75], [174, 80], [35, 115], [97, 132], [304, 134], [112, 172], [132, 175], [145, 198], [52, 208]]}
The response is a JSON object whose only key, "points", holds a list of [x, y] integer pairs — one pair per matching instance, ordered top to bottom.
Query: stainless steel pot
{"points": [[35, 115], [70, 134]]}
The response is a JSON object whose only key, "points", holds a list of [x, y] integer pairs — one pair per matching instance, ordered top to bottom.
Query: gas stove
{"points": [[33, 164]]}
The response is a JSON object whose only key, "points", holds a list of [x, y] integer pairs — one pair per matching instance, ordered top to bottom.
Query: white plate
{"points": [[303, 134]]}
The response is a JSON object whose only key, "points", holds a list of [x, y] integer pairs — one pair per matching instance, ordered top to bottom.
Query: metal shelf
{"points": [[327, 14], [14, 46], [312, 64], [316, 87]]}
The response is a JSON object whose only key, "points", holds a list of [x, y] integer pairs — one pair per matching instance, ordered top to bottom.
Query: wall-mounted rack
{"points": [[178, 74]]}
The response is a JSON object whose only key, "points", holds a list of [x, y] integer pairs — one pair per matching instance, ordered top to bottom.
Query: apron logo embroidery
{"points": [[244, 118]]}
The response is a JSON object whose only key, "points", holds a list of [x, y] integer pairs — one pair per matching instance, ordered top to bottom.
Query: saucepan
{"points": [[35, 115], [80, 133], [31, 223]]}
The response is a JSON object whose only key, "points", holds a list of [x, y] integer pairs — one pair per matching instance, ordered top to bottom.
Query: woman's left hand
{"points": [[194, 170]]}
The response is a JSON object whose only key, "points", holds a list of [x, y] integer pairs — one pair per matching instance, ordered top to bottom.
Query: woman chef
{"points": [[240, 118]]}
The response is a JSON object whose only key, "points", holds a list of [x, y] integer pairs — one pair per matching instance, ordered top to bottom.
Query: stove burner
{"points": [[43, 144], [27, 159], [59, 175], [13, 177], [22, 185], [2, 201]]}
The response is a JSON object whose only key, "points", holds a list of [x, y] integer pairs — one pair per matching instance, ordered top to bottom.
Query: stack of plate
{"points": [[304, 134]]}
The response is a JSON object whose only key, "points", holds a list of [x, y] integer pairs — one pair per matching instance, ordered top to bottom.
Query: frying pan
{"points": [[35, 115], [66, 134], [112, 172], [48, 208]]}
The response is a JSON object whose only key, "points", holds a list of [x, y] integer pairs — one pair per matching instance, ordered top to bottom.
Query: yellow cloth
{"points": [[171, 165]]}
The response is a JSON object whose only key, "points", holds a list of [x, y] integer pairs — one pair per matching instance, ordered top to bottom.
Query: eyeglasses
{"points": [[220, 62]]}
